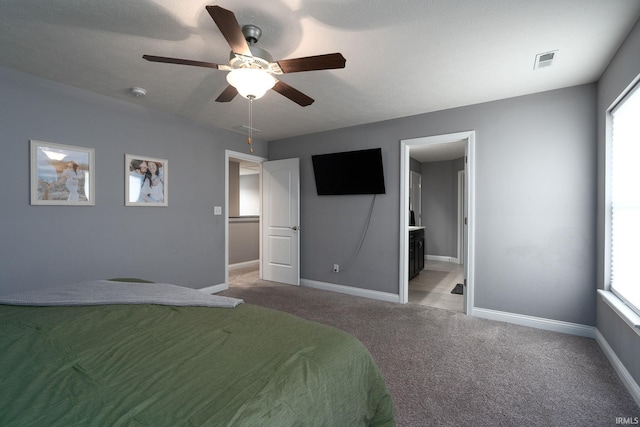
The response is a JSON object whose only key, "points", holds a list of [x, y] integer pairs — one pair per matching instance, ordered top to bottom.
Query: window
{"points": [[625, 199]]}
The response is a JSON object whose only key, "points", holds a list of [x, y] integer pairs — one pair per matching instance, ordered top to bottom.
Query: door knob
{"points": [[295, 228]]}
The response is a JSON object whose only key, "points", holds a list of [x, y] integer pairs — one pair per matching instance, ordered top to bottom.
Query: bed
{"points": [[119, 361]]}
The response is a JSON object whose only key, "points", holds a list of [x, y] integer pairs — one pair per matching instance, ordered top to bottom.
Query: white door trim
{"points": [[405, 146], [228, 154], [460, 240]]}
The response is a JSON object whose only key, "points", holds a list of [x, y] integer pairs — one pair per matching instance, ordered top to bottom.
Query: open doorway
{"points": [[446, 164], [243, 216], [439, 283]]}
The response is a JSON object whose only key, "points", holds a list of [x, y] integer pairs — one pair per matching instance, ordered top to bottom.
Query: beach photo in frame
{"points": [[62, 174], [145, 181]]}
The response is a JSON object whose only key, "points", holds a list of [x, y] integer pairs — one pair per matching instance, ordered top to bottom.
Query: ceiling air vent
{"points": [[544, 60], [245, 129]]}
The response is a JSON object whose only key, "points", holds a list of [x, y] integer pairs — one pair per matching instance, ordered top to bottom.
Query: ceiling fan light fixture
{"points": [[245, 58], [251, 82]]}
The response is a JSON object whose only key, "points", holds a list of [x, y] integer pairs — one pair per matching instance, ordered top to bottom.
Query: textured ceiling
{"points": [[404, 57]]}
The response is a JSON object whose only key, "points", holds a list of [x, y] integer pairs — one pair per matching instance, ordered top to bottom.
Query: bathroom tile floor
{"points": [[432, 287]]}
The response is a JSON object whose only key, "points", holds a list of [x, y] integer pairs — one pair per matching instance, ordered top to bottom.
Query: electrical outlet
{"points": [[336, 268]]}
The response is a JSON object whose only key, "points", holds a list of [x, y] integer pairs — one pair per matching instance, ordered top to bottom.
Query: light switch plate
{"points": [[217, 210]]}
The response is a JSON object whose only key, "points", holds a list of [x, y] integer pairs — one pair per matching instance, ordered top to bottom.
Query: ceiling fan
{"points": [[252, 69]]}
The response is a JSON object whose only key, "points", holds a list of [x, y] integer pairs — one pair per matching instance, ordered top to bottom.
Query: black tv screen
{"points": [[349, 172]]}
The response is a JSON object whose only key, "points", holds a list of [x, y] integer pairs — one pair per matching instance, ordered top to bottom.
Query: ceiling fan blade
{"points": [[230, 29], [179, 61], [310, 63], [228, 94], [293, 94]]}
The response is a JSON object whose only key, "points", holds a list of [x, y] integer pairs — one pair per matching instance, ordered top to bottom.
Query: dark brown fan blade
{"points": [[230, 29], [179, 61], [310, 63], [228, 94], [293, 94]]}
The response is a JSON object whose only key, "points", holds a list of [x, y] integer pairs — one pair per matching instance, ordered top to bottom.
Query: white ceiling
{"points": [[404, 57], [438, 152]]}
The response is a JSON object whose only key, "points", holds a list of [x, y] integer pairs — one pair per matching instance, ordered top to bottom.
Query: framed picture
{"points": [[62, 174], [145, 181]]}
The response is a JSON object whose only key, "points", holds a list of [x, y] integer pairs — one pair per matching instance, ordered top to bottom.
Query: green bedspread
{"points": [[151, 365]]}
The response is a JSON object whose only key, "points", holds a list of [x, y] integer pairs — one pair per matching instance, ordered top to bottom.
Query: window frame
{"points": [[630, 314]]}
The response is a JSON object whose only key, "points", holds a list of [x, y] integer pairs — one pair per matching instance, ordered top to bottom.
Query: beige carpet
{"points": [[444, 368]]}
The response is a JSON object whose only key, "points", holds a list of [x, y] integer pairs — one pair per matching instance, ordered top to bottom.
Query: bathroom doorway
{"points": [[446, 267]]}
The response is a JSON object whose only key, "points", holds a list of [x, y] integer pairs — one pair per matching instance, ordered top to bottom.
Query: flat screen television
{"points": [[349, 172]]}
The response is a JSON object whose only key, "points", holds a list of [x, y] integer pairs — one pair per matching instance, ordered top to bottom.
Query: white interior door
{"points": [[280, 238]]}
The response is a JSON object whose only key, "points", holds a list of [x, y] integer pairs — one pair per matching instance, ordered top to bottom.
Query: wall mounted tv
{"points": [[349, 172]]}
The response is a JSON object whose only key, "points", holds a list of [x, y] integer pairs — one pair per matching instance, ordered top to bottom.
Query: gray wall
{"points": [[622, 70], [415, 165], [250, 194], [535, 203], [440, 206], [233, 210], [332, 226], [244, 240], [50, 245]]}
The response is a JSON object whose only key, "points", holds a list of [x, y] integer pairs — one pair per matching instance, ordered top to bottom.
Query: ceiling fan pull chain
{"points": [[249, 140]]}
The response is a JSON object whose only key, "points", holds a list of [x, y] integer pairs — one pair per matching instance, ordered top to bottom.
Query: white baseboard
{"points": [[442, 258], [237, 265], [215, 288], [358, 292], [536, 322], [625, 376]]}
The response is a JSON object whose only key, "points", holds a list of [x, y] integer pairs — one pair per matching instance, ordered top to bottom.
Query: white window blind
{"points": [[625, 200]]}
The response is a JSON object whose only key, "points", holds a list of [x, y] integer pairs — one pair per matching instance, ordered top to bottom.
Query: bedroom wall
{"points": [[621, 72], [535, 203], [49, 245]]}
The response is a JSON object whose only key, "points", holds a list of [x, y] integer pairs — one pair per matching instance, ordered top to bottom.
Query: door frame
{"points": [[228, 154], [460, 202], [469, 266]]}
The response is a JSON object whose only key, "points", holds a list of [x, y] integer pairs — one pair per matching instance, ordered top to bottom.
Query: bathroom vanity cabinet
{"points": [[416, 251]]}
